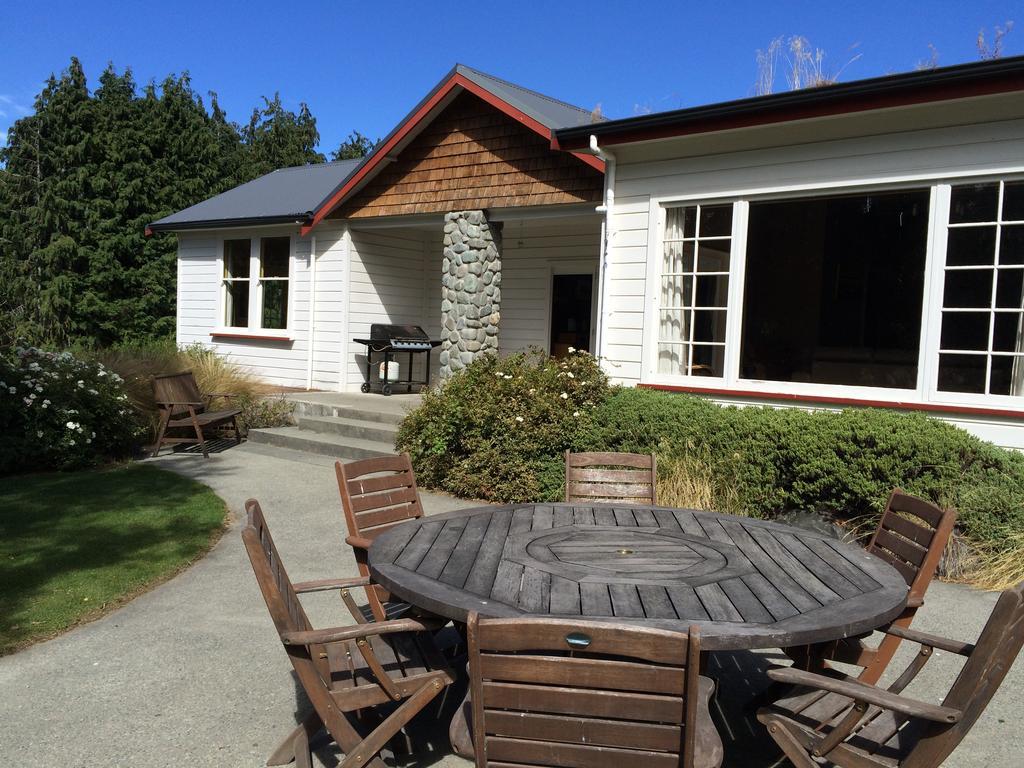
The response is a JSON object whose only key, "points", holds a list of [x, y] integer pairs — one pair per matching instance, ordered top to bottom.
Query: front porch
{"points": [[480, 281]]}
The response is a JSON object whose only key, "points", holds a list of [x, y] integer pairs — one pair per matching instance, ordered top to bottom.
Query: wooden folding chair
{"points": [[184, 409], [611, 477], [376, 495], [911, 536], [344, 669], [553, 692], [848, 723]]}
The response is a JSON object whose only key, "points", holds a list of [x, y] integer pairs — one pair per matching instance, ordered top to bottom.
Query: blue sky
{"points": [[364, 65]]}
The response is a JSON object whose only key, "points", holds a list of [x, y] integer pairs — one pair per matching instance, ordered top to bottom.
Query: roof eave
{"points": [[962, 81], [250, 221]]}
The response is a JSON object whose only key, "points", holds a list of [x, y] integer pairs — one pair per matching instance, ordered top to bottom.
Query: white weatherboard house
{"points": [[856, 244]]}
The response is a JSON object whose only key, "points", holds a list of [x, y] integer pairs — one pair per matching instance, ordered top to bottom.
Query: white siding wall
{"points": [[906, 157], [531, 252]]}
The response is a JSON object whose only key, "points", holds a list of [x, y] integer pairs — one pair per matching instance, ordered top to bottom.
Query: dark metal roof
{"points": [[960, 81], [549, 112], [282, 196]]}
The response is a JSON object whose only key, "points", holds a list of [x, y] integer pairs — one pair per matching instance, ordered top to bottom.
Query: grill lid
{"points": [[384, 332]]}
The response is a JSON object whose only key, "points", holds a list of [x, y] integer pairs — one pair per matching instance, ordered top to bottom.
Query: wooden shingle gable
{"points": [[473, 156]]}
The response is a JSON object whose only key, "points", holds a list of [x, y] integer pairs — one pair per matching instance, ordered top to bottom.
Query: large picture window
{"points": [[255, 283], [834, 289], [981, 347]]}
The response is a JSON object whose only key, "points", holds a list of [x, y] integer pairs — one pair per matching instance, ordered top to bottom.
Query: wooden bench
{"points": [[183, 408]]}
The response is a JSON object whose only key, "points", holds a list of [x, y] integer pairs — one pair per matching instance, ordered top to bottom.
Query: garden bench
{"points": [[183, 408], [608, 477]]}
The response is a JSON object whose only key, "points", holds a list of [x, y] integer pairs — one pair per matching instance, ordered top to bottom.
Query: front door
{"points": [[572, 299]]}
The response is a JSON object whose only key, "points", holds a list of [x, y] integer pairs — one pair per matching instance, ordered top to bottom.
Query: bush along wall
{"points": [[497, 431]]}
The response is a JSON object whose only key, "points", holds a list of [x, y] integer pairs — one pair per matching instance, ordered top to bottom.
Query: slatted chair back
{"points": [[178, 388], [610, 477], [376, 495], [911, 537], [281, 599], [987, 665], [550, 692]]}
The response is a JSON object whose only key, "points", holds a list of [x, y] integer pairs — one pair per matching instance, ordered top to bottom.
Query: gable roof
{"points": [[541, 114], [287, 195]]}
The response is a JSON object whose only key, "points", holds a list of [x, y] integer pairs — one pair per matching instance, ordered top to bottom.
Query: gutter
{"points": [[961, 81], [184, 226], [605, 246]]}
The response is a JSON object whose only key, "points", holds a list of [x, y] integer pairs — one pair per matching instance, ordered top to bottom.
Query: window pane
{"points": [[1013, 201], [973, 202], [716, 220], [690, 221], [680, 222], [1011, 245], [971, 246], [274, 256], [713, 256], [678, 257], [236, 258], [969, 288], [1008, 288], [834, 289], [676, 291], [712, 291], [236, 303], [275, 304], [673, 325], [709, 325], [965, 330], [1006, 335], [672, 358], [707, 360], [962, 373], [1007, 375]]}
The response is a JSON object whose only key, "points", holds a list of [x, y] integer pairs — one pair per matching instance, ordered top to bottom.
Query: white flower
{"points": [[571, 350], [101, 372], [569, 374], [508, 377], [81, 384], [39, 387], [12, 390], [533, 391], [93, 392], [564, 395], [32, 396], [26, 400], [575, 413], [519, 419], [71, 424], [79, 429], [39, 433], [93, 434], [88, 440], [71, 442]]}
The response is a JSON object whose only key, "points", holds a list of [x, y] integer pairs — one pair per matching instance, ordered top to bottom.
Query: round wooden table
{"points": [[747, 583]]}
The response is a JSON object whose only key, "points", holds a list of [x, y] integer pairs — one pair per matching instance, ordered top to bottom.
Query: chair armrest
{"points": [[178, 402], [358, 542], [322, 585], [914, 601], [358, 631], [934, 641], [867, 693]]}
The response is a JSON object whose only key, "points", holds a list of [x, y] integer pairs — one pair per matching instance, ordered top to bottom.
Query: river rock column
{"points": [[470, 289]]}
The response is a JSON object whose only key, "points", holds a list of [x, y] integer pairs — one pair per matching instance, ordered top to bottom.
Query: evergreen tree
{"points": [[276, 138], [354, 147]]}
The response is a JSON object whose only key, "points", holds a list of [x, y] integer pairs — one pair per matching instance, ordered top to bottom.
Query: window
{"points": [[236, 283], [255, 283], [834, 289], [694, 290], [981, 345]]}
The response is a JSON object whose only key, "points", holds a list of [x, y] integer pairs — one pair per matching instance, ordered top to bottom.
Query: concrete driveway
{"points": [[192, 674]]}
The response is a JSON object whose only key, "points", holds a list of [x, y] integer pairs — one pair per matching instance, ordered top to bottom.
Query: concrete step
{"points": [[392, 416], [361, 429], [338, 446]]}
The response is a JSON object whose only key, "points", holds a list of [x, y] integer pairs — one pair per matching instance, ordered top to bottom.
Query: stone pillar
{"points": [[470, 289]]}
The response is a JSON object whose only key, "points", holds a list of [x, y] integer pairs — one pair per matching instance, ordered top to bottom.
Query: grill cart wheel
{"points": [[365, 387]]}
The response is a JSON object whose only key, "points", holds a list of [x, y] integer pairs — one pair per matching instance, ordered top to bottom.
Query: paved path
{"points": [[191, 674]]}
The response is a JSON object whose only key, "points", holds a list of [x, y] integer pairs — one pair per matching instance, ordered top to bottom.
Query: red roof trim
{"points": [[455, 81], [826, 400]]}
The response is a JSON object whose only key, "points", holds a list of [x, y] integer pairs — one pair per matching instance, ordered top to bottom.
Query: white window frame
{"points": [[254, 329], [925, 393]]}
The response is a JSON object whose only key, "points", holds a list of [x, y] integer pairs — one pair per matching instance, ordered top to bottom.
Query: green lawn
{"points": [[75, 544]]}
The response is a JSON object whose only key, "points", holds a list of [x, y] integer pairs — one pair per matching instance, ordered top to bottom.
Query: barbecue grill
{"points": [[386, 340]]}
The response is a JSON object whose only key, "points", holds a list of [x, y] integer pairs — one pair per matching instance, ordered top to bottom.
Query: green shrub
{"points": [[60, 412], [497, 429]]}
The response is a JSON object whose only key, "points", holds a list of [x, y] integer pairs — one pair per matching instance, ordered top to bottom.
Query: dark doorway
{"points": [[571, 303]]}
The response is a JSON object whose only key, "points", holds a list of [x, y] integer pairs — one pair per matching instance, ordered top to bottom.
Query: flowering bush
{"points": [[58, 412], [498, 429]]}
